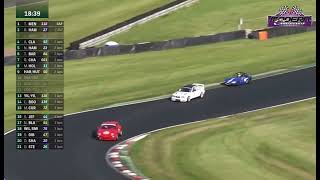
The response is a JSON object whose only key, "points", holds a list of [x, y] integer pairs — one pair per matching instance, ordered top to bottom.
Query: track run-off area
{"points": [[84, 157]]}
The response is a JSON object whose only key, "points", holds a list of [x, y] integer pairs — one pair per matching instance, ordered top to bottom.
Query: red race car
{"points": [[109, 131]]}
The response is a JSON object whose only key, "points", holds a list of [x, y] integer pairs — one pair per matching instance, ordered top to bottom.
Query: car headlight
{"points": [[106, 132]]}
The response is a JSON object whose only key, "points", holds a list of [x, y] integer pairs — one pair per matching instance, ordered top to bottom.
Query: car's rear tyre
{"points": [[94, 134]]}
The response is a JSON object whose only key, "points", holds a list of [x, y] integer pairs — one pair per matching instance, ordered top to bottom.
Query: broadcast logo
{"points": [[289, 17]]}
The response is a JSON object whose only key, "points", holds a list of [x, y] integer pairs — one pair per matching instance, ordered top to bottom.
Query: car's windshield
{"points": [[185, 89], [109, 126]]}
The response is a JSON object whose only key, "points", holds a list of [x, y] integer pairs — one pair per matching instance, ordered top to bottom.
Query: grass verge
{"points": [[83, 17], [210, 17], [97, 82], [277, 144]]}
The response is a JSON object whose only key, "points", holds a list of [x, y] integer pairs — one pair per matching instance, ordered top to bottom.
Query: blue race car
{"points": [[239, 78]]}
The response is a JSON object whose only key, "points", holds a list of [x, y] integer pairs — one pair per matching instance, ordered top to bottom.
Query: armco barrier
{"points": [[282, 31], [103, 34], [103, 38], [185, 42], [175, 43], [161, 45], [154, 46], [141, 47], [125, 49], [109, 50], [92, 52], [75, 54], [9, 60]]}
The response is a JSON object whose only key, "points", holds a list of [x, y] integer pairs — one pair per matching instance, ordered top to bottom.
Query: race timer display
{"points": [[33, 9], [39, 85]]}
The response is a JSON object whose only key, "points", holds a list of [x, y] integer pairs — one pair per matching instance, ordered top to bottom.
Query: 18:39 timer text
{"points": [[32, 13]]}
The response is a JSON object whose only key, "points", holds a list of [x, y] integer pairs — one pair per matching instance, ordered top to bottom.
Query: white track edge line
{"points": [[166, 96], [244, 112], [221, 117]]}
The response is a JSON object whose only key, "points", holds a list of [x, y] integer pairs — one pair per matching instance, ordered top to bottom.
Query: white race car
{"points": [[189, 92]]}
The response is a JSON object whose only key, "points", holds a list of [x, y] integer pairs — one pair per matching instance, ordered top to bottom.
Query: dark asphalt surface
{"points": [[9, 3], [12, 3], [84, 158]]}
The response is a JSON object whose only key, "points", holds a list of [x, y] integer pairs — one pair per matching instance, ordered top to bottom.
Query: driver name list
{"points": [[39, 85]]}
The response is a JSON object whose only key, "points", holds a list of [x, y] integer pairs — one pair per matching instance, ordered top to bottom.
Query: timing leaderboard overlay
{"points": [[39, 85]]}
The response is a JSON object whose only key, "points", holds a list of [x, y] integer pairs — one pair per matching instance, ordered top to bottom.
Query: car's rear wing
{"points": [[198, 84]]}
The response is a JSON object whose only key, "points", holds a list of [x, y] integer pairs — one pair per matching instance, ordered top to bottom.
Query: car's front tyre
{"points": [[249, 81]]}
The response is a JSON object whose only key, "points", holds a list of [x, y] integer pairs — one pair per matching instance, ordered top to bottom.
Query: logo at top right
{"points": [[289, 17]]}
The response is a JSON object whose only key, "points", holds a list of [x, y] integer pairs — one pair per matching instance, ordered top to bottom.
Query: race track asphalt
{"points": [[9, 3], [12, 3], [84, 158]]}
